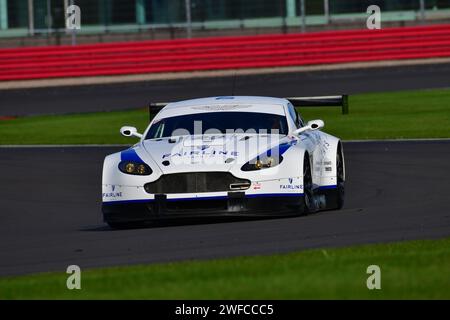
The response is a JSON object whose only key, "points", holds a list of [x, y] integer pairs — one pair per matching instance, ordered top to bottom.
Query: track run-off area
{"points": [[132, 95]]}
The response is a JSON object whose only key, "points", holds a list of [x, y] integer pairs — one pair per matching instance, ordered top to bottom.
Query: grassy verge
{"points": [[415, 114], [409, 270]]}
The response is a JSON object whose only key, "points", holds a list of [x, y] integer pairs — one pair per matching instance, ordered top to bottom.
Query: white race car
{"points": [[232, 155]]}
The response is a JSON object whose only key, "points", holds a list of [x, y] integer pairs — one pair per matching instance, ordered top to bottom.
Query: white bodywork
{"points": [[210, 153]]}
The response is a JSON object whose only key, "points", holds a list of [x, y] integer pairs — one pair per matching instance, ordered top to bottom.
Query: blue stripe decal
{"points": [[285, 146], [280, 149], [130, 155], [328, 187], [262, 195]]}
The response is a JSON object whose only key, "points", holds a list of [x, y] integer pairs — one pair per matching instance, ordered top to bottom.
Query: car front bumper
{"points": [[234, 204]]}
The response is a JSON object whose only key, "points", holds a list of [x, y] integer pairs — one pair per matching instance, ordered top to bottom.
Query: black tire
{"points": [[340, 175], [335, 197], [307, 203]]}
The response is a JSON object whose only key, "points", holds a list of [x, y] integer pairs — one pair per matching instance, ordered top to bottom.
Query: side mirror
{"points": [[310, 126], [128, 131]]}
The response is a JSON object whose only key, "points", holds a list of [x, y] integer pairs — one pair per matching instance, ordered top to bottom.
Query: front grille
{"points": [[196, 182]]}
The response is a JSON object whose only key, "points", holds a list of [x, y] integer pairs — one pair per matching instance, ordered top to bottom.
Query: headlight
{"points": [[262, 162], [137, 168]]}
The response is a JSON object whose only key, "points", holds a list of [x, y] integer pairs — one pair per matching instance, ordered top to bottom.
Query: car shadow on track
{"points": [[181, 222]]}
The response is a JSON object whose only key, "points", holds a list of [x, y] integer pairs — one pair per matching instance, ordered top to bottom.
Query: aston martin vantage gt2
{"points": [[232, 155]]}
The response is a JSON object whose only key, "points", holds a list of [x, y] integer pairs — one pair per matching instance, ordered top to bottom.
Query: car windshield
{"points": [[218, 122]]}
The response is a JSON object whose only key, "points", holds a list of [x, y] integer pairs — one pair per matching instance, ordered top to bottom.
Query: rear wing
{"points": [[325, 101], [155, 107]]}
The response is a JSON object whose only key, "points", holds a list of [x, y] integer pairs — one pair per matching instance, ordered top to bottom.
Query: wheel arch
{"points": [[329, 148], [297, 160]]}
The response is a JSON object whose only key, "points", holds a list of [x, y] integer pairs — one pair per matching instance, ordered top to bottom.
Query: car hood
{"points": [[208, 152]]}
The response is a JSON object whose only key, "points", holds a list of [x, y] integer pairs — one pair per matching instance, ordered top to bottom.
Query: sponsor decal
{"points": [[222, 107], [325, 144], [203, 147], [203, 152], [324, 162], [291, 185], [256, 186], [113, 194]]}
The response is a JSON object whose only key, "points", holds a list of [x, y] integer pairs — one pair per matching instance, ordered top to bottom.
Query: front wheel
{"points": [[335, 197], [306, 203]]}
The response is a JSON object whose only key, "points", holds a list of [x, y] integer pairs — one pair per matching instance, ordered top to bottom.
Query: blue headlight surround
{"points": [[274, 153]]}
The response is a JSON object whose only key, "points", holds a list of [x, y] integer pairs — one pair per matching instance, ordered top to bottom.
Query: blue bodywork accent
{"points": [[285, 146], [280, 149], [130, 155], [328, 187], [128, 201]]}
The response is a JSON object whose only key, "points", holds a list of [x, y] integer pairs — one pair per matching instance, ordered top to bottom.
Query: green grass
{"points": [[407, 114], [396, 115], [87, 128], [409, 270]]}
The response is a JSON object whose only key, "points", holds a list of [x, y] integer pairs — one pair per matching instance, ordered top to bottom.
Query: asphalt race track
{"points": [[73, 99], [50, 211]]}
